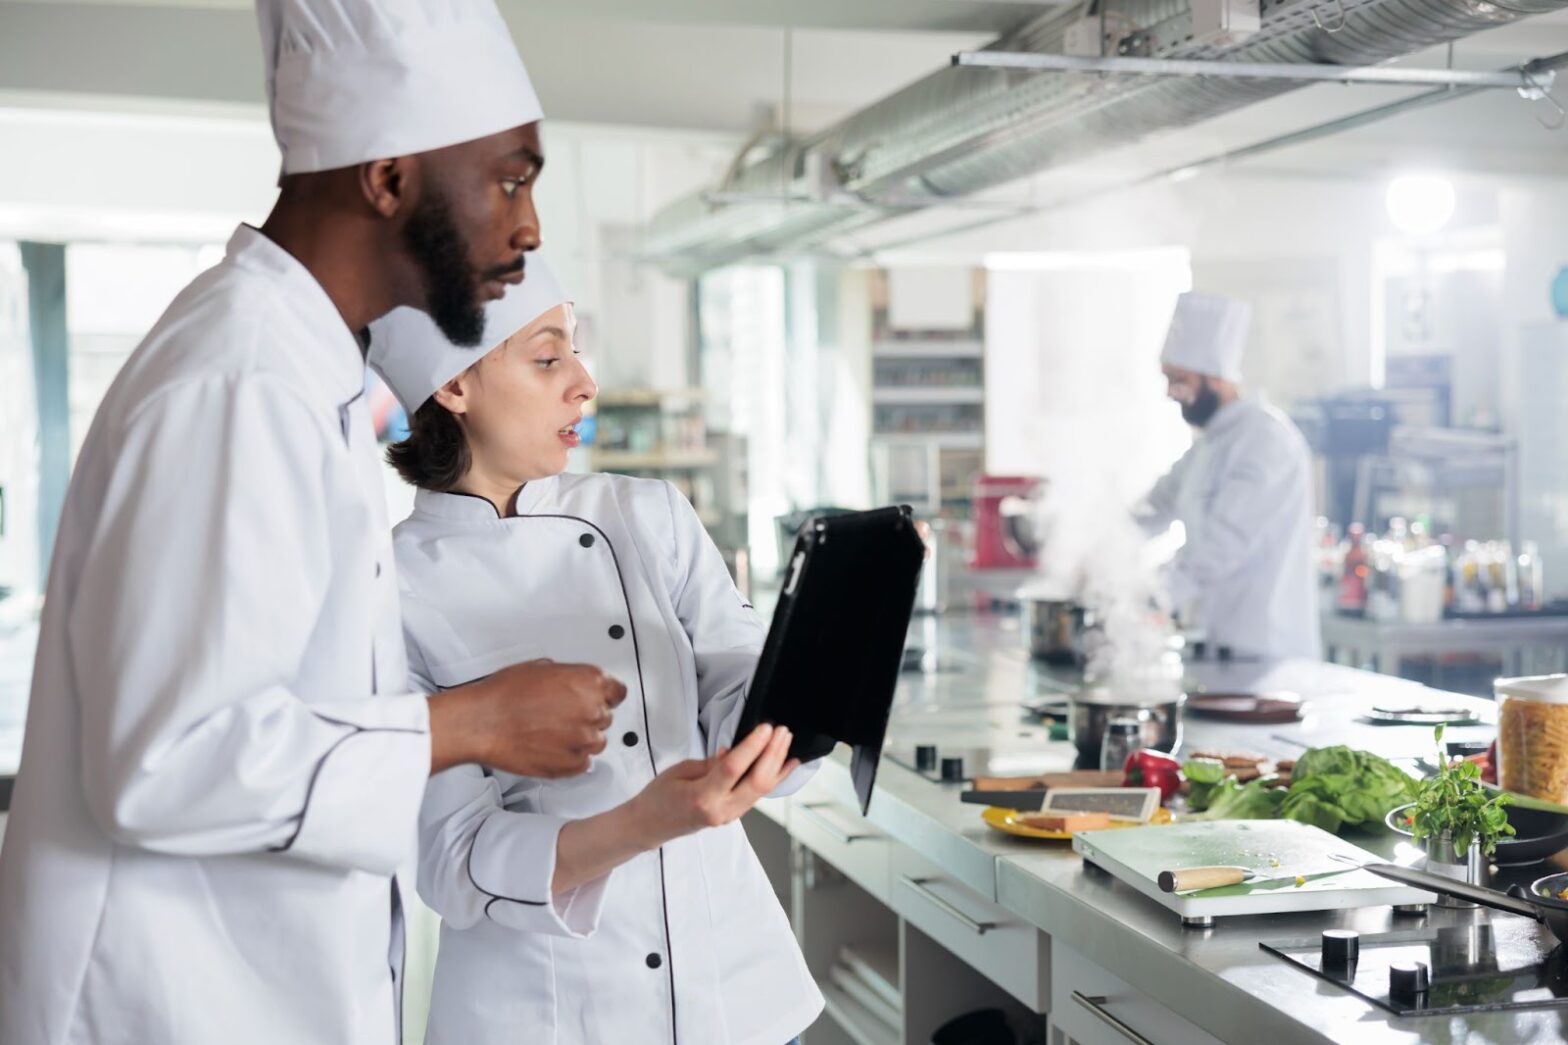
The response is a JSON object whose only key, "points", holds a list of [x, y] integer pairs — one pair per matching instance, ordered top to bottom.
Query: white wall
{"points": [[1534, 218], [1285, 243], [1304, 250], [1533, 378]]}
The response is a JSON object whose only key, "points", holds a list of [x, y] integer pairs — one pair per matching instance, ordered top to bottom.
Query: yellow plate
{"points": [[1006, 821]]}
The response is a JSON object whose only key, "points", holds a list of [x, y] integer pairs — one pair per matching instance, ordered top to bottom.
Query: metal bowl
{"points": [[1055, 629]]}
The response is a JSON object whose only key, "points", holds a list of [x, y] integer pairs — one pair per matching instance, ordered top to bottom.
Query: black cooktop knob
{"points": [[925, 757], [952, 769], [1341, 948], [1408, 981]]}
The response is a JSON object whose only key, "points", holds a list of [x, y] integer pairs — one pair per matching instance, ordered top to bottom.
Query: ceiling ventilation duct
{"points": [[964, 130]]}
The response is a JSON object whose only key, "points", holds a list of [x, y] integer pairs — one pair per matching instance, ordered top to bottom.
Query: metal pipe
{"points": [[1539, 68], [1515, 79], [961, 131], [864, 200]]}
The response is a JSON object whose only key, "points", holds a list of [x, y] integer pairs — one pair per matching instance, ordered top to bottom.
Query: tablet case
{"points": [[830, 665]]}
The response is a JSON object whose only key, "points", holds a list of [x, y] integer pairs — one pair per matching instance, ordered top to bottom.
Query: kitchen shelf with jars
{"points": [[928, 401], [657, 432], [1451, 613]]}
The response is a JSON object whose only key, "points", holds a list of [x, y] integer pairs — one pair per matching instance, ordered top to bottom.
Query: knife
{"points": [[1192, 879]]}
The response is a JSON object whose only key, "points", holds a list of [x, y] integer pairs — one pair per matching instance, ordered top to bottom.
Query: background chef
{"points": [[1243, 492]]}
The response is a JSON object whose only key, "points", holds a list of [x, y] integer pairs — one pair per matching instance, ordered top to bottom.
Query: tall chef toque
{"points": [[350, 81], [1208, 334]]}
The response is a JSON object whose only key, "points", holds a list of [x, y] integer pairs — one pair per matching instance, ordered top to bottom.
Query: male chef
{"points": [[1243, 492], [223, 766]]}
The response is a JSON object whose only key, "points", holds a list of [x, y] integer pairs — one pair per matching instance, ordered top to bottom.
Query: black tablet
{"points": [[833, 654]]}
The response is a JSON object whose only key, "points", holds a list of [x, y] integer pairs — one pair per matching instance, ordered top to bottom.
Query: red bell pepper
{"points": [[1487, 760], [1152, 769]]}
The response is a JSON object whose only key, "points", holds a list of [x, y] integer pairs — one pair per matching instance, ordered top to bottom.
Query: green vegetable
{"points": [[1204, 776], [1334, 787], [1331, 788], [1259, 800], [1457, 802], [1308, 808]]}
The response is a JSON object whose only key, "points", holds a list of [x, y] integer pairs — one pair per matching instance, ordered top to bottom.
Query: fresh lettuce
{"points": [[1204, 777], [1334, 787], [1331, 788], [1258, 800]]}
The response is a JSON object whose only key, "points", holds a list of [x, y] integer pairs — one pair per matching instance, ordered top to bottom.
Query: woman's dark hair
{"points": [[435, 455]]}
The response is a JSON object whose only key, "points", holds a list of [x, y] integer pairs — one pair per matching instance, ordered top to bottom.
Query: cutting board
{"points": [[1137, 856]]}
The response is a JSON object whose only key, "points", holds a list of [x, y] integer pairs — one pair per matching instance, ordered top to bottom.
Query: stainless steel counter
{"points": [[1219, 979]]}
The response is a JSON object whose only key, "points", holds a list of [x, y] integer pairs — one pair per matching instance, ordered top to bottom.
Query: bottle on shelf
{"points": [[1353, 577], [1532, 578], [1383, 584]]}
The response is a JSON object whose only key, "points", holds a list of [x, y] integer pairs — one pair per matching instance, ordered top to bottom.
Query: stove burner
{"points": [[1477, 967]]}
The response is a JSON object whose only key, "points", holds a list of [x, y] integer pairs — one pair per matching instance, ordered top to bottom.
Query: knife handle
{"points": [[1189, 878]]}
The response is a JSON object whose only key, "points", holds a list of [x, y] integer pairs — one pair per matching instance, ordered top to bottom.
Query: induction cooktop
{"points": [[1483, 965]]}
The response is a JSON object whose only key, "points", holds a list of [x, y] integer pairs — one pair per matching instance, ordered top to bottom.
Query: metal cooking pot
{"points": [[1055, 629], [1091, 712]]}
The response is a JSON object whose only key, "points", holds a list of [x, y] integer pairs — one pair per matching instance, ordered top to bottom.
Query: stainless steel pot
{"points": [[1055, 629], [1090, 712]]}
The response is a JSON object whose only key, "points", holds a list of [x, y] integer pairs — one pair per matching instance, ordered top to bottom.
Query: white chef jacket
{"points": [[1244, 494], [211, 802], [685, 945]]}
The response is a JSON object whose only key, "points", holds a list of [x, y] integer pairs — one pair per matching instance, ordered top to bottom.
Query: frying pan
{"points": [[1539, 903]]}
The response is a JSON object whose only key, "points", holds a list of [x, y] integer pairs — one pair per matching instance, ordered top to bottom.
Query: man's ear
{"points": [[389, 186], [453, 395]]}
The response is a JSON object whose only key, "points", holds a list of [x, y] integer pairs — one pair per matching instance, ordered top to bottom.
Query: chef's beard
{"points": [[451, 286], [1201, 410]]}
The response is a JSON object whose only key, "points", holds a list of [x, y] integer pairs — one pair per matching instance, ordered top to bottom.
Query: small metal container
{"points": [[1055, 629], [1440, 856], [1441, 859]]}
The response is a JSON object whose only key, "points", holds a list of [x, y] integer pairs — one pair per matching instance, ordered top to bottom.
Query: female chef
{"points": [[625, 904]]}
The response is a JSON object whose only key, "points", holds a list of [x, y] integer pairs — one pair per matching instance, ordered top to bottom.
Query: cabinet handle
{"points": [[840, 835], [918, 886], [1096, 1007]]}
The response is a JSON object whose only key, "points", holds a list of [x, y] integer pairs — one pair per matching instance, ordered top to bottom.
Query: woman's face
{"points": [[520, 405]]}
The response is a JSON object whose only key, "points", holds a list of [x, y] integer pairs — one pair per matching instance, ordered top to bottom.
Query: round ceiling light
{"points": [[1420, 204]]}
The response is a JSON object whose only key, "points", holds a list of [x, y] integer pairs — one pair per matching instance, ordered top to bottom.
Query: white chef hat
{"points": [[350, 81], [1207, 335], [414, 358]]}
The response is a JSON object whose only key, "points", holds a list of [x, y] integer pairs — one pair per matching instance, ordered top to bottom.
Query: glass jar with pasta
{"points": [[1532, 736]]}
